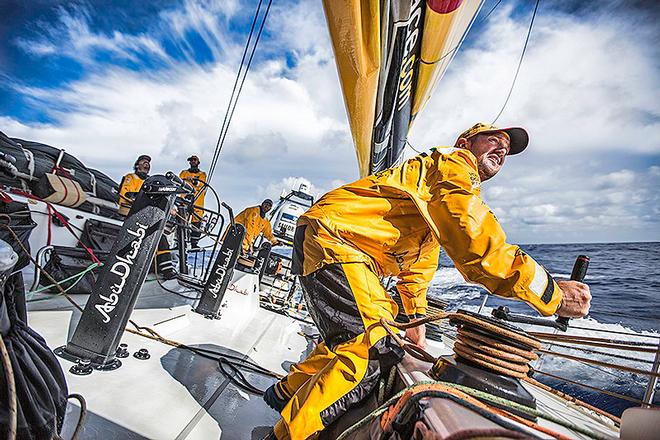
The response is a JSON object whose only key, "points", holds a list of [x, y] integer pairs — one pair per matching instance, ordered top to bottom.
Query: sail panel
{"points": [[444, 30], [355, 32], [390, 54]]}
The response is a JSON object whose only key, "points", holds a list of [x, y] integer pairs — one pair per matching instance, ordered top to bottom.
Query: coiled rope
{"points": [[495, 347], [11, 390], [466, 397]]}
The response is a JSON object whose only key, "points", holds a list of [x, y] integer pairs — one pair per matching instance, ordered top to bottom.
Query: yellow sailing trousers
{"points": [[346, 302]]}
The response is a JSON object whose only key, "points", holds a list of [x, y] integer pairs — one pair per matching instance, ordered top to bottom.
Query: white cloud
{"points": [[209, 19], [72, 37], [584, 86], [286, 184], [563, 205]]}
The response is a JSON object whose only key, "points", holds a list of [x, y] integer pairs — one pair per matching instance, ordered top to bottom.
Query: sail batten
{"points": [[390, 54]]}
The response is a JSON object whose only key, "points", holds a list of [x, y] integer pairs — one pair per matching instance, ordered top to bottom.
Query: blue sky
{"points": [[111, 80]]}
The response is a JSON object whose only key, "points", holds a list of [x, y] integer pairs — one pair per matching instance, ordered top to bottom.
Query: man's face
{"points": [[490, 149], [194, 163], [144, 166], [266, 206]]}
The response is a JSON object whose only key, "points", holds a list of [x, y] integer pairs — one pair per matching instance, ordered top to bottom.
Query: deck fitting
{"points": [[122, 351], [142, 354], [83, 367]]}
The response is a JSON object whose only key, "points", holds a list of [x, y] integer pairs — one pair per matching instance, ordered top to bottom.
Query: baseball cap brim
{"points": [[518, 139]]}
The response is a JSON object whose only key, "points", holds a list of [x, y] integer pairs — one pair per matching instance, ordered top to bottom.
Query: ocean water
{"points": [[624, 279]]}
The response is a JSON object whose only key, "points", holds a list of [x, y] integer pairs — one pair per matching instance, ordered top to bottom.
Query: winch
{"points": [[491, 355]]}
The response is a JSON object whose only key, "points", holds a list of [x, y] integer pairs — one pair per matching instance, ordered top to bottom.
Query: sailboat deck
{"points": [[176, 394]]}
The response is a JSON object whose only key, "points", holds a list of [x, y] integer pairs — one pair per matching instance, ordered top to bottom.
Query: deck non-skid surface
{"points": [[177, 394]]}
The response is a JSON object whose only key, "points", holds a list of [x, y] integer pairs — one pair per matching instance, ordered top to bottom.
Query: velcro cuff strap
{"points": [[549, 289], [416, 316]]}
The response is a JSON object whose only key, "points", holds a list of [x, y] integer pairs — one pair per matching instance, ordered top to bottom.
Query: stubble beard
{"points": [[486, 169]]}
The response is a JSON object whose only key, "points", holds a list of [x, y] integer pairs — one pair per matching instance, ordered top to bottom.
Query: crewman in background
{"points": [[197, 179], [132, 182], [128, 188], [255, 222], [393, 223]]}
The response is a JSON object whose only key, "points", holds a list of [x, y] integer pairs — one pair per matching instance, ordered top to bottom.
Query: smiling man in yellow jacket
{"points": [[393, 223]]}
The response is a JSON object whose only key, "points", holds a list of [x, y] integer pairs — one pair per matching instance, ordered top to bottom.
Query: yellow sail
{"points": [[390, 55]]}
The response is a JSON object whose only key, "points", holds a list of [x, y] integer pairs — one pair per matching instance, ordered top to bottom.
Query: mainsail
{"points": [[390, 55]]}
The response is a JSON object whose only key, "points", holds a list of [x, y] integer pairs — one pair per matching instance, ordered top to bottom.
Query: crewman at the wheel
{"points": [[197, 179], [128, 188], [255, 222], [393, 223]]}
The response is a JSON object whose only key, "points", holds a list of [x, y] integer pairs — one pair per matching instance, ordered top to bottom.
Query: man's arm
{"points": [[241, 217], [268, 233], [475, 241], [414, 282], [412, 287]]}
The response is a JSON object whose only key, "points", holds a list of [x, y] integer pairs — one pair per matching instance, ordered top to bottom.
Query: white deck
{"points": [[176, 394]]}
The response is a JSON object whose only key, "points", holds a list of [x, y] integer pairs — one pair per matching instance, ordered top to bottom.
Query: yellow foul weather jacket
{"points": [[196, 179], [130, 183], [396, 220], [254, 225]]}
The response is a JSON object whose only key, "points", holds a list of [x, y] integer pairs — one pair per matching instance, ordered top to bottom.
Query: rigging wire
{"points": [[491, 11], [522, 56], [233, 91], [230, 113], [413, 148], [176, 292], [605, 330], [602, 353], [228, 364], [589, 387]]}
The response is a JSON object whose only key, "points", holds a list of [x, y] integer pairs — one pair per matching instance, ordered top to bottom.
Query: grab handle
{"points": [[578, 274]]}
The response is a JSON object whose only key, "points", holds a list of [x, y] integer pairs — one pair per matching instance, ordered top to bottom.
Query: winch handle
{"points": [[183, 184], [231, 212], [578, 274]]}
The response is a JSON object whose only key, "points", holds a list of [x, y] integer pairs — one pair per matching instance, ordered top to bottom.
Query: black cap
{"points": [[142, 157]]}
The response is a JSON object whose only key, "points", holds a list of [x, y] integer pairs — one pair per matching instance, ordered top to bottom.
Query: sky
{"points": [[110, 80]]}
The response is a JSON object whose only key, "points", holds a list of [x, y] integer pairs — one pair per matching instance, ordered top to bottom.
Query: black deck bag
{"points": [[7, 146], [38, 163], [76, 170], [106, 188], [103, 211], [22, 224], [98, 235], [66, 262], [41, 389]]}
